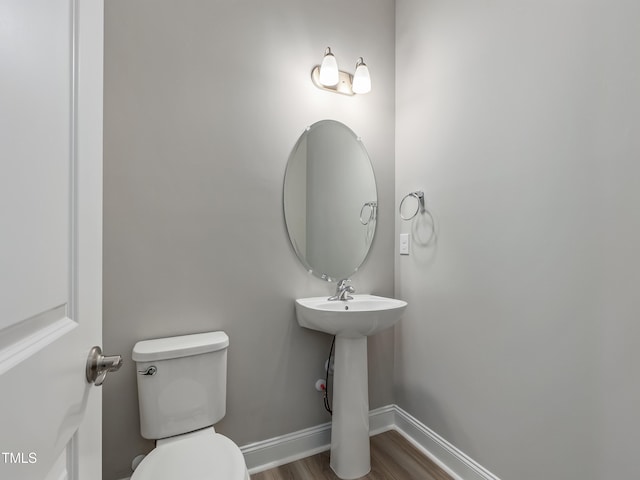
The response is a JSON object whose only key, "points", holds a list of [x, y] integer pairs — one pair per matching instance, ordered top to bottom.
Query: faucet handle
{"points": [[343, 289]]}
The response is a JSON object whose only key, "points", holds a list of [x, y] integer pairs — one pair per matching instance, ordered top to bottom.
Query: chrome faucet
{"points": [[343, 289]]}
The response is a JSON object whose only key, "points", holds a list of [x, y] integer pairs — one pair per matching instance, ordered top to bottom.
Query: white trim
{"points": [[23, 340], [382, 419], [273, 452], [266, 454], [448, 457]]}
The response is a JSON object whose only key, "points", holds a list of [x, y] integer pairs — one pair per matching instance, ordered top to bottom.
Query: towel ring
{"points": [[419, 196], [372, 212]]}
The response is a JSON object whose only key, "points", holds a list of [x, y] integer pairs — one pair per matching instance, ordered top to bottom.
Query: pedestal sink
{"points": [[351, 321]]}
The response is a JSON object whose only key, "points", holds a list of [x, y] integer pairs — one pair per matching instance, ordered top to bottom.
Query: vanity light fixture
{"points": [[327, 76]]}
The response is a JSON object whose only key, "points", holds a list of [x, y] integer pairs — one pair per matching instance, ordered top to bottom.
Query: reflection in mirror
{"points": [[330, 200]]}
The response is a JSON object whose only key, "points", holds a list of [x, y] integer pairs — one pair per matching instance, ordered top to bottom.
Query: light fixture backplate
{"points": [[343, 86]]}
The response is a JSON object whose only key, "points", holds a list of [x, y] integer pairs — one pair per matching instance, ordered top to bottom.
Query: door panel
{"points": [[36, 135]]}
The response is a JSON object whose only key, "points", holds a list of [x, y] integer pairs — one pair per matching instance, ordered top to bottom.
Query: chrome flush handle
{"points": [[99, 365], [148, 371]]}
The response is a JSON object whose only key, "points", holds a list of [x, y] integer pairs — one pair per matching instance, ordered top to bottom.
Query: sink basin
{"points": [[363, 316], [352, 321]]}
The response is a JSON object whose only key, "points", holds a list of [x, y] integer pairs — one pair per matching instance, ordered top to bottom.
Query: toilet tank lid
{"points": [[182, 346]]}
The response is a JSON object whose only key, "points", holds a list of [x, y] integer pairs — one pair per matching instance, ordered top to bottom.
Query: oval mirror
{"points": [[330, 200]]}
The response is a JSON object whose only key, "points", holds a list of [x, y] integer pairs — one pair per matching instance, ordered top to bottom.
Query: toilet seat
{"points": [[201, 455]]}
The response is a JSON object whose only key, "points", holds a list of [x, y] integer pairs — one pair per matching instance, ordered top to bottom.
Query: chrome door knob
{"points": [[99, 365]]}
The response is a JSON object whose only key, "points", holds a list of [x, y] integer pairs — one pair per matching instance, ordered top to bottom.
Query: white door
{"points": [[50, 237]]}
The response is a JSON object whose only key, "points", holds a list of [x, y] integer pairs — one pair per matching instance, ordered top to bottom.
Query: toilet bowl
{"points": [[181, 394], [201, 455]]}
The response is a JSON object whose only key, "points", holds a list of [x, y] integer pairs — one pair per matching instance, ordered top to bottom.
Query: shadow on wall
{"points": [[420, 223]]}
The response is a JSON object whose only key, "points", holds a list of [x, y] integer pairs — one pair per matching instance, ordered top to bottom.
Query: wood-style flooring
{"points": [[392, 458]]}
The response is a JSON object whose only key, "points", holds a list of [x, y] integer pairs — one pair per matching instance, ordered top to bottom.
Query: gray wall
{"points": [[204, 101], [521, 121]]}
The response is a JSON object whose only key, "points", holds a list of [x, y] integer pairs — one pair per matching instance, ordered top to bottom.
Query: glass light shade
{"points": [[329, 70], [361, 78]]}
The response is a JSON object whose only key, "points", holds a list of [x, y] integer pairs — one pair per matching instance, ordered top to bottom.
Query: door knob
{"points": [[99, 365]]}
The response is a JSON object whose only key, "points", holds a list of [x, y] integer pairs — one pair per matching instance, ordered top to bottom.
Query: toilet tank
{"points": [[182, 383]]}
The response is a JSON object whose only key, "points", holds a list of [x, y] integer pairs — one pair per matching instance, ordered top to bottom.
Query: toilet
{"points": [[182, 389]]}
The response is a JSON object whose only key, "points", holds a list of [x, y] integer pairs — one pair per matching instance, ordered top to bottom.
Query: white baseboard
{"points": [[277, 451], [273, 452], [448, 457]]}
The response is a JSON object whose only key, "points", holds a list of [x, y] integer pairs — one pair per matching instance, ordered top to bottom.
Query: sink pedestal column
{"points": [[350, 454]]}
